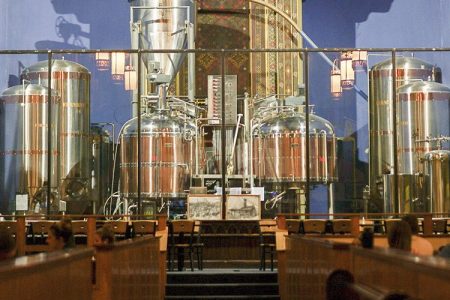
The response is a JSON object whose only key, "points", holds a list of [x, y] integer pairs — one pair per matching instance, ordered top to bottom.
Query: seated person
{"points": [[104, 235], [60, 236], [399, 236], [366, 238], [71, 241], [7, 244], [419, 245], [444, 251]]}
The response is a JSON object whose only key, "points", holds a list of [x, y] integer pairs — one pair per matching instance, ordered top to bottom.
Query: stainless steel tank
{"points": [[162, 24], [72, 81], [423, 112], [381, 119], [279, 149], [24, 151], [102, 164], [163, 164], [437, 170]]}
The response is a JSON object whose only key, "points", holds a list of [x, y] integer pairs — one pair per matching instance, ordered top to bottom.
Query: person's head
{"points": [[413, 223], [59, 235], [104, 235], [399, 236], [366, 238], [7, 244], [444, 251], [337, 285]]}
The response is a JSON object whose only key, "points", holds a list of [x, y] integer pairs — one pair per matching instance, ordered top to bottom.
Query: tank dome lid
{"points": [[402, 63], [57, 65], [424, 87], [27, 89], [295, 122], [154, 123], [437, 154]]}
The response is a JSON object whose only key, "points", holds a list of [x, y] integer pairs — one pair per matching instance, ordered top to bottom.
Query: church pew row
{"points": [[306, 263], [130, 269], [48, 276]]}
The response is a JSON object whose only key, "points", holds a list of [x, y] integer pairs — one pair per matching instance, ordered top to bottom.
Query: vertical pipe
{"points": [[135, 29], [191, 62], [306, 79], [162, 101], [49, 131], [394, 131], [223, 134], [247, 136], [139, 156], [250, 156], [331, 199]]}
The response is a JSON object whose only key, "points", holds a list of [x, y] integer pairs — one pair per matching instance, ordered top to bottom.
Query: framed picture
{"points": [[204, 207], [243, 207]]}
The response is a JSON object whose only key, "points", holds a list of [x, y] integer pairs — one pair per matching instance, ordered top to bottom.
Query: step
{"points": [[222, 276], [222, 284], [226, 289], [267, 297]]}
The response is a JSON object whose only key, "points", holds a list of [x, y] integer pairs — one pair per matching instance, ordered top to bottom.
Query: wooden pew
{"points": [[310, 260], [308, 263], [128, 269], [395, 270], [49, 276]]}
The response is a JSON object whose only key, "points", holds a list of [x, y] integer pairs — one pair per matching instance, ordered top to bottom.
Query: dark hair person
{"points": [[104, 235], [60, 236], [399, 236], [366, 238], [7, 244], [419, 245]]}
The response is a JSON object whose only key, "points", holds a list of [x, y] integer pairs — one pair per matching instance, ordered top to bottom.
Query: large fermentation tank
{"points": [[72, 81], [423, 113], [381, 122], [279, 149], [25, 151], [102, 164], [163, 164], [437, 170]]}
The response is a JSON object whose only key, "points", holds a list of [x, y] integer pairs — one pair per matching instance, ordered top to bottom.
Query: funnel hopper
{"points": [[163, 26]]}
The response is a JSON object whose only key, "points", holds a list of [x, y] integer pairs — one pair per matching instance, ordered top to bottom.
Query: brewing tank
{"points": [[408, 70], [72, 81], [423, 112], [381, 122], [24, 148], [279, 149], [102, 164], [163, 165], [437, 170]]}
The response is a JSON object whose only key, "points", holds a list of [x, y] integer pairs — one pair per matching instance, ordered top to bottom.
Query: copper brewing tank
{"points": [[279, 149], [164, 166]]}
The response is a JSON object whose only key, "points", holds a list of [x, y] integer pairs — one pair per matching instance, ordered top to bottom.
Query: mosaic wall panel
{"points": [[221, 24], [229, 24], [273, 73]]}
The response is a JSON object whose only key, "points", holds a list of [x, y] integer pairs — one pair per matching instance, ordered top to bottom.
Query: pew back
{"points": [[128, 269], [48, 276]]}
